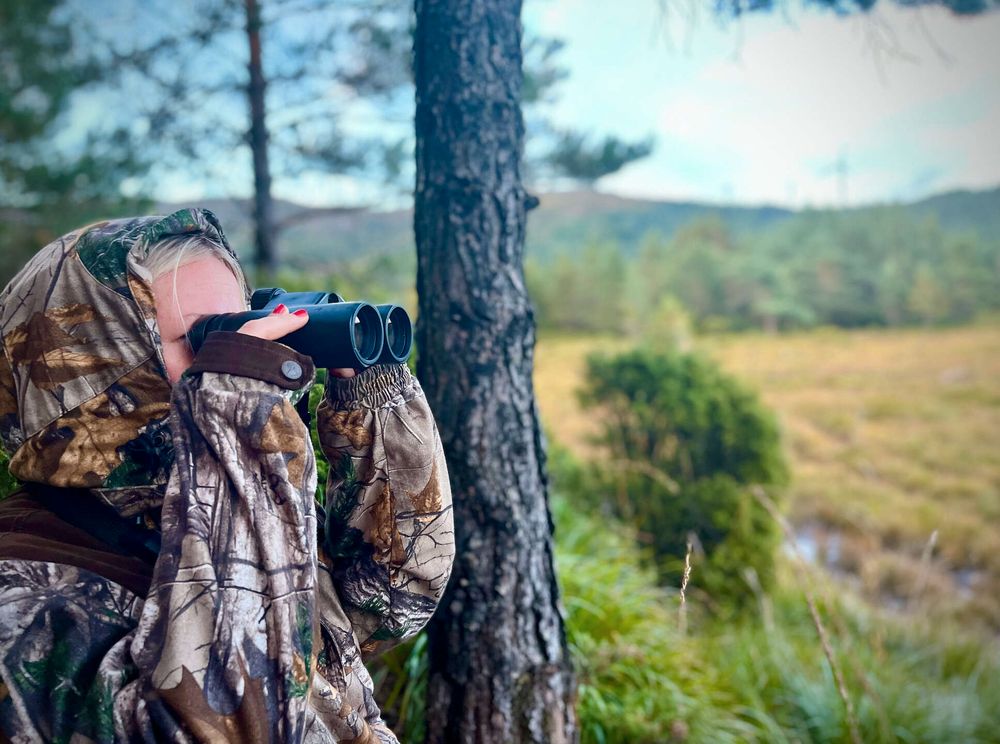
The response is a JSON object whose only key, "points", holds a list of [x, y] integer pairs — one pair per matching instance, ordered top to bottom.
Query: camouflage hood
{"points": [[84, 398]]}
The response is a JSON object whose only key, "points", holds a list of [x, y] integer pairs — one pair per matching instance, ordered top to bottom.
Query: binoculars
{"points": [[338, 334]]}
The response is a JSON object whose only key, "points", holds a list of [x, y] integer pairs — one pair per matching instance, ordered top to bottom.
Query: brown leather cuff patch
{"points": [[234, 353]]}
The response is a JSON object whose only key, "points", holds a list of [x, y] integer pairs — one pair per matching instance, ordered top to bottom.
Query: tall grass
{"points": [[763, 676], [760, 677]]}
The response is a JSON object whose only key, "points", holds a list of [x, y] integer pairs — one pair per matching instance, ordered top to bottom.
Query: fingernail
{"points": [[279, 309], [300, 312]]}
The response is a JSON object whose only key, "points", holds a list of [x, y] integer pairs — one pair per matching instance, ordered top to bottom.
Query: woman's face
{"points": [[203, 287]]}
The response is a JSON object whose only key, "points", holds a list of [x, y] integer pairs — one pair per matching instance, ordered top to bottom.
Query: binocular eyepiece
{"points": [[338, 334]]}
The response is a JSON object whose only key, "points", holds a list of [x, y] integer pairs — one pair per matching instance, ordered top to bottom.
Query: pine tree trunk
{"points": [[265, 259], [500, 667]]}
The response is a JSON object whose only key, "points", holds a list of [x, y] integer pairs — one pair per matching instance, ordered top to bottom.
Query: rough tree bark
{"points": [[257, 137], [500, 667]]}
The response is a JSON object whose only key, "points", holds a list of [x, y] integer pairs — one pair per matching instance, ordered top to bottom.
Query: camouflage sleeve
{"points": [[388, 535], [240, 638], [225, 640], [222, 650]]}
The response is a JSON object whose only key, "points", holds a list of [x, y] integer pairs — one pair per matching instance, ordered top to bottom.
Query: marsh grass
{"points": [[891, 434], [892, 439], [762, 676]]}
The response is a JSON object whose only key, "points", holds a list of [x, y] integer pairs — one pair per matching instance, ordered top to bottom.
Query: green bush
{"points": [[685, 443]]}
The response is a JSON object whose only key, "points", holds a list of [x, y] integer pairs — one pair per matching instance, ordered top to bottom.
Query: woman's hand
{"points": [[279, 324], [276, 325]]}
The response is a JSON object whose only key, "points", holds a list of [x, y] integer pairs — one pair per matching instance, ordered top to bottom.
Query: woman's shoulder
{"points": [[32, 533]]}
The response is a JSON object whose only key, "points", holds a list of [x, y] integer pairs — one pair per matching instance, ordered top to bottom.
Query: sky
{"points": [[794, 108]]}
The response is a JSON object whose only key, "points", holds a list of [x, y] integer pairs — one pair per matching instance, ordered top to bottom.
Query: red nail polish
{"points": [[279, 309], [300, 312]]}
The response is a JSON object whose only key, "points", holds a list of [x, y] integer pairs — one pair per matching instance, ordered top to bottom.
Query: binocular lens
{"points": [[359, 333], [368, 334], [398, 334]]}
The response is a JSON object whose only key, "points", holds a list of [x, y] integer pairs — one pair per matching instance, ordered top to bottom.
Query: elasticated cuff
{"points": [[240, 354], [375, 386]]}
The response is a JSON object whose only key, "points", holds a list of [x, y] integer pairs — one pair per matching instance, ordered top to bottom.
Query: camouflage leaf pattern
{"points": [[83, 396], [389, 534]]}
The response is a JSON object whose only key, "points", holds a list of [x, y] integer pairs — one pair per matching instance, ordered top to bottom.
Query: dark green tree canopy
{"points": [[575, 157]]}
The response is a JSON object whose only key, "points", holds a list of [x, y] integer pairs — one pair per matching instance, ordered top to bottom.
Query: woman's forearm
{"points": [[389, 533], [226, 635]]}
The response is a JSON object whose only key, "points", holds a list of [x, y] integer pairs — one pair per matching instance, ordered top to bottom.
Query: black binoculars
{"points": [[338, 334]]}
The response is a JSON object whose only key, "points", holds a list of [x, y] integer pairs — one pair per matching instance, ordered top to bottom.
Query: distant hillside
{"points": [[978, 211], [565, 220], [570, 220], [313, 236]]}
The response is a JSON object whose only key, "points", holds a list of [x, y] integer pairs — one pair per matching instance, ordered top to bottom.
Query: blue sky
{"points": [[794, 108]]}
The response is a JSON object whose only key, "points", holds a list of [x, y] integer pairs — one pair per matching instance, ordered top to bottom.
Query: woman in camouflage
{"points": [[165, 572]]}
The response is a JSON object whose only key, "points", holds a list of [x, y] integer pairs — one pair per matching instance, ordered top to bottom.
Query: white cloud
{"points": [[774, 124], [973, 145]]}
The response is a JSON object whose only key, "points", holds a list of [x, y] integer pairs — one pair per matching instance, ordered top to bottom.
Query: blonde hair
{"points": [[172, 253]]}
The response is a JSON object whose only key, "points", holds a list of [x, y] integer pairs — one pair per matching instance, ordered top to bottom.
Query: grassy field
{"points": [[893, 440]]}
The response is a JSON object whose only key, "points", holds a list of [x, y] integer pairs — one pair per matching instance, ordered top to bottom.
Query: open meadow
{"points": [[892, 436]]}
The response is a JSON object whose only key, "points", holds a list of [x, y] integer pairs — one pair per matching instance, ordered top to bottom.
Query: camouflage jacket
{"points": [[262, 605]]}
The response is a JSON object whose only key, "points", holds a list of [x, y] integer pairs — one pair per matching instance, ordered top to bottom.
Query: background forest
{"points": [[771, 430]]}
